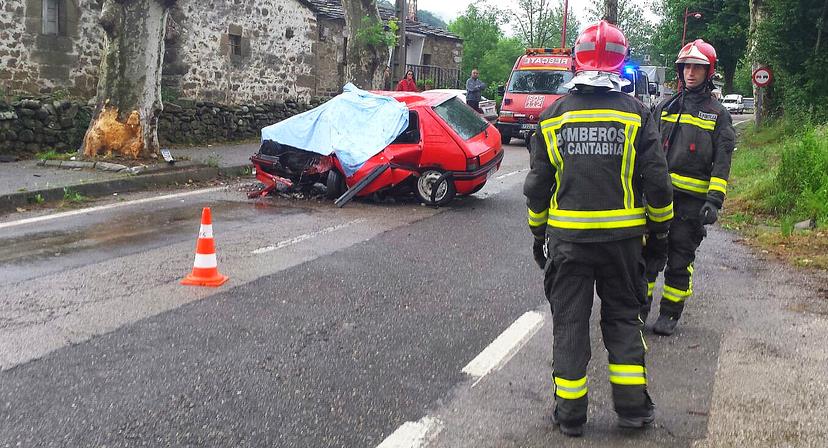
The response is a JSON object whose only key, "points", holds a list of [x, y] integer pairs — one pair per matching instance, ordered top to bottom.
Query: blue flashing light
{"points": [[629, 70]]}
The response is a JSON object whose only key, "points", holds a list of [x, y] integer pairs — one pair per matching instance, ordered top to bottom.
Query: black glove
{"points": [[709, 213], [655, 252], [538, 253]]}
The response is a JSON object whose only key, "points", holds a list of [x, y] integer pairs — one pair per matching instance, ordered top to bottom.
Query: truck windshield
{"points": [[540, 81], [463, 119]]}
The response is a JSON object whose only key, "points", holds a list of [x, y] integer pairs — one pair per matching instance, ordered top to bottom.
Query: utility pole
{"points": [[611, 11], [563, 28], [398, 68]]}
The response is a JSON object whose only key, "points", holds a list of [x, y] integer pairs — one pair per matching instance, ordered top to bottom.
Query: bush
{"points": [[802, 180]]}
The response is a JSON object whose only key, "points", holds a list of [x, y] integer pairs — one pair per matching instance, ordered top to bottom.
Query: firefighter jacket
{"points": [[697, 133], [597, 171]]}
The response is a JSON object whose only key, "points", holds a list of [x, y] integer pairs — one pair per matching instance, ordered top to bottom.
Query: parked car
{"points": [[733, 103], [486, 105], [748, 105], [446, 149]]}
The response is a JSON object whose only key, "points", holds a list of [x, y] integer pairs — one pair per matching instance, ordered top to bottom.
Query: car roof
{"points": [[427, 98]]}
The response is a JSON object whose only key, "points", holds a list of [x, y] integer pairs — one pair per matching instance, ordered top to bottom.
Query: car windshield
{"points": [[540, 81], [729, 101], [465, 122]]}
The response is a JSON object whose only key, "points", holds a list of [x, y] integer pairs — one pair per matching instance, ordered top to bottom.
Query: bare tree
{"points": [[368, 39], [129, 88]]}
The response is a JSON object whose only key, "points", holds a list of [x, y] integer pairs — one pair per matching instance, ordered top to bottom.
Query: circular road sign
{"points": [[762, 77]]}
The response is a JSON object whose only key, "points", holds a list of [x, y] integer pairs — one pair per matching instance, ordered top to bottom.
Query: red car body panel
{"points": [[468, 163]]}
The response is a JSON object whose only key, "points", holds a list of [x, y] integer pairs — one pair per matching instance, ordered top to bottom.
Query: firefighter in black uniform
{"points": [[698, 137], [598, 180]]}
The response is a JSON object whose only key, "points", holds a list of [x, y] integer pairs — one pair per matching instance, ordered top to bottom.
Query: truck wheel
{"points": [[505, 139], [428, 181], [335, 184]]}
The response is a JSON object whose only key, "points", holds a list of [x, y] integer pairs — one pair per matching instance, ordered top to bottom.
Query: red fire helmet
{"points": [[601, 47], [697, 52]]}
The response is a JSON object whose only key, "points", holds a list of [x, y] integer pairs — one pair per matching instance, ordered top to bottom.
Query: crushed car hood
{"points": [[355, 125]]}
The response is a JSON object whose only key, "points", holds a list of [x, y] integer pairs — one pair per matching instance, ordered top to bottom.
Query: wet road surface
{"points": [[340, 327]]}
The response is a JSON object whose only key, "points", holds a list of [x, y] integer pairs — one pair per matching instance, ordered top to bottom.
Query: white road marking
{"points": [[503, 176], [99, 208], [306, 236], [505, 346], [414, 434]]}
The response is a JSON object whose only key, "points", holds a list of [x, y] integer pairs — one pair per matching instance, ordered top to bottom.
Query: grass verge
{"points": [[779, 177]]}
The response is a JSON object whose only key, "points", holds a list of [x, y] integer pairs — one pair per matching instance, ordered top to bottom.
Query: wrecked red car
{"points": [[446, 149]]}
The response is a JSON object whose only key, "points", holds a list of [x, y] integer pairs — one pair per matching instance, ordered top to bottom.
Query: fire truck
{"points": [[535, 83]]}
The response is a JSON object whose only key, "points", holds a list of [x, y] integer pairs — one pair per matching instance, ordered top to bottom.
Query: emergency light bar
{"points": [[563, 51]]}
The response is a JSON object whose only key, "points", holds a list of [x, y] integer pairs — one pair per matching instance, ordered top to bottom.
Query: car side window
{"points": [[411, 134]]}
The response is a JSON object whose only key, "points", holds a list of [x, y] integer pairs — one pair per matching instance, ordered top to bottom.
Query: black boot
{"points": [[665, 325], [636, 422], [567, 430]]}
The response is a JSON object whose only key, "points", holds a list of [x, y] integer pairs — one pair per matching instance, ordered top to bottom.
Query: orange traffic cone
{"points": [[205, 268]]}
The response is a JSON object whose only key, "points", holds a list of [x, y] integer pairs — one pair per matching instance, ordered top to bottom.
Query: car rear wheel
{"points": [[505, 139], [430, 180], [335, 184]]}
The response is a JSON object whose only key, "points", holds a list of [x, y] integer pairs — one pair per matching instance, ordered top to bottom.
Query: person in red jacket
{"points": [[407, 84]]}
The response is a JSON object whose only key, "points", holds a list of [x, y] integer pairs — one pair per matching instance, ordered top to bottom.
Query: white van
{"points": [[733, 104]]}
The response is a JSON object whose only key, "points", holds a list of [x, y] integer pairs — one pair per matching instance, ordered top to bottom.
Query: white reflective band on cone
{"points": [[205, 231], [205, 261]]}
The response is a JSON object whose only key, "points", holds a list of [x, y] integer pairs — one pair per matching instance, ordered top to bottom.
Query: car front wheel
{"points": [[431, 180], [335, 184]]}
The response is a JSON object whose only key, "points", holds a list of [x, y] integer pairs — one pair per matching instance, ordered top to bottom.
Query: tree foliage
{"points": [[429, 18], [632, 22], [539, 23], [724, 24], [792, 41], [484, 45]]}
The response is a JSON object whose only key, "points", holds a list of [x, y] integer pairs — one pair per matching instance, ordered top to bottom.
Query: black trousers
{"points": [[474, 104], [686, 234], [573, 273]]}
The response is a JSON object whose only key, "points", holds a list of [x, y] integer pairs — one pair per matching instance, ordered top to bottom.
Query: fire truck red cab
{"points": [[535, 83]]}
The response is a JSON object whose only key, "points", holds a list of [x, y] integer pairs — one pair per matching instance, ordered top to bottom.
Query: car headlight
{"points": [[507, 114]]}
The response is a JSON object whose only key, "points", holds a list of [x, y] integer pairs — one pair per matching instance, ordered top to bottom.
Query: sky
{"points": [[450, 9]]}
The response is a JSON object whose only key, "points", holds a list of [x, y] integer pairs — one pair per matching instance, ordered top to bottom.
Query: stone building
{"points": [[224, 51]]}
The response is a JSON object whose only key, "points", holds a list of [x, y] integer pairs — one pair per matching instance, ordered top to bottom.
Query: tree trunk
{"points": [[611, 11], [365, 61], [729, 73], [129, 88], [760, 100]]}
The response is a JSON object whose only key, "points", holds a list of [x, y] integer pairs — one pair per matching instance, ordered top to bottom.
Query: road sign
{"points": [[762, 77]]}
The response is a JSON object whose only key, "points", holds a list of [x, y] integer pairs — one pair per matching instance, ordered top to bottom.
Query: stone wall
{"points": [[244, 50], [446, 53], [330, 54], [65, 61], [34, 125]]}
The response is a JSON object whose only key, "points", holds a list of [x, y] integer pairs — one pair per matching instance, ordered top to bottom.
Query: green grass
{"points": [[53, 155], [782, 174], [70, 195]]}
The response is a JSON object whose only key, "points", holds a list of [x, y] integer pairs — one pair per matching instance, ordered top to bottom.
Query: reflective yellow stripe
{"points": [[592, 115], [707, 125], [557, 161], [627, 164], [689, 183], [718, 184], [660, 214], [538, 219], [597, 219], [650, 288], [676, 295], [627, 374], [570, 389]]}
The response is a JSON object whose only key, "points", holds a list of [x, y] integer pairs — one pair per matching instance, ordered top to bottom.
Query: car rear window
{"points": [[540, 81], [465, 121]]}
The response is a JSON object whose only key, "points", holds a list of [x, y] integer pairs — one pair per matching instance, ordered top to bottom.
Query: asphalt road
{"points": [[353, 327]]}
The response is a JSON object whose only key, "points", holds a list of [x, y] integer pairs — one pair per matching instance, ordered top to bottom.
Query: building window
{"points": [[51, 12], [235, 45], [426, 59]]}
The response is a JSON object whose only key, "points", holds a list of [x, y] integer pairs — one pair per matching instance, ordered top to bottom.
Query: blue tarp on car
{"points": [[355, 125]]}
